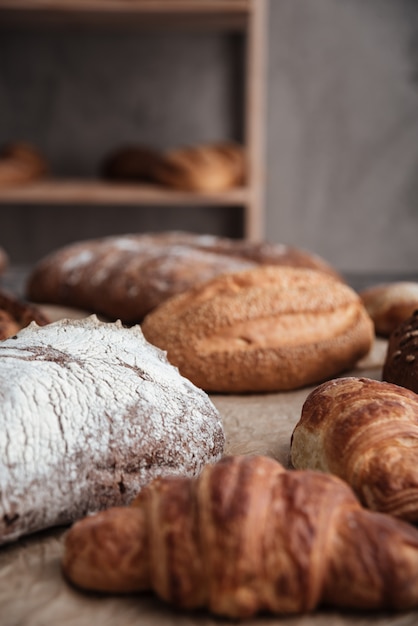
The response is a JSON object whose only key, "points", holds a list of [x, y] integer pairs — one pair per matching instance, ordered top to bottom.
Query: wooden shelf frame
{"points": [[249, 16]]}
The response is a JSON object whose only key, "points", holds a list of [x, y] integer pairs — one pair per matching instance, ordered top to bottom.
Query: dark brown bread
{"points": [[131, 163], [126, 277], [266, 329], [401, 362], [366, 432], [247, 536]]}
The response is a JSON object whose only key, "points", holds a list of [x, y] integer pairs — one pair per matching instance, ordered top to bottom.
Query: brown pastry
{"points": [[21, 163], [131, 163], [208, 167], [125, 277], [389, 304], [16, 314], [266, 329], [401, 362], [90, 413], [366, 432], [244, 537]]}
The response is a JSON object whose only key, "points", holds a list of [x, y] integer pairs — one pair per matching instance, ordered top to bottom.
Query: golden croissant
{"points": [[365, 432], [248, 536]]}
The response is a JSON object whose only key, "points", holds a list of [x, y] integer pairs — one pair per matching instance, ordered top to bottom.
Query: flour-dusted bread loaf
{"points": [[206, 168], [125, 277], [389, 304], [16, 314], [266, 329], [401, 361], [90, 413], [366, 432]]}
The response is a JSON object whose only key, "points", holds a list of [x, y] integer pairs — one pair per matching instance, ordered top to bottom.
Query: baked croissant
{"points": [[365, 432], [248, 536]]}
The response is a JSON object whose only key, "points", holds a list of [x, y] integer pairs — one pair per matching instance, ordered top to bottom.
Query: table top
{"points": [[33, 591]]}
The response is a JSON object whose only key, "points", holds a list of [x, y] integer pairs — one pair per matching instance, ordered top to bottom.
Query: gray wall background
{"points": [[341, 122]]}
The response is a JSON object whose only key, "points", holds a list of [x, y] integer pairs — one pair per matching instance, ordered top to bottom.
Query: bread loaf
{"points": [[21, 163], [131, 163], [205, 168], [126, 277], [389, 304], [15, 314], [266, 329], [401, 361], [90, 413], [366, 432], [248, 537]]}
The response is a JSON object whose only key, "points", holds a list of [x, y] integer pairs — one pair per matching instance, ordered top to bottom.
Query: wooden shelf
{"points": [[229, 14], [250, 16], [69, 191]]}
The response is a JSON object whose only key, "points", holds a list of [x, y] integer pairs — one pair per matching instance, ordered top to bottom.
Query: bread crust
{"points": [[21, 163], [126, 277], [389, 304], [16, 314], [266, 329], [401, 361], [90, 413], [366, 432]]}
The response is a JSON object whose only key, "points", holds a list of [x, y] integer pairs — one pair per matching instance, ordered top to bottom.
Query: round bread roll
{"points": [[20, 163], [207, 168], [126, 277], [389, 304], [16, 314], [266, 329], [401, 362], [90, 413]]}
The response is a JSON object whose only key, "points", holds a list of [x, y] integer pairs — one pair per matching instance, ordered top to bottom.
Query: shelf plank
{"points": [[148, 13], [101, 192]]}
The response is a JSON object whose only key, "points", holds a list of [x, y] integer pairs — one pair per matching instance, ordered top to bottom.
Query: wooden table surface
{"points": [[34, 593]]}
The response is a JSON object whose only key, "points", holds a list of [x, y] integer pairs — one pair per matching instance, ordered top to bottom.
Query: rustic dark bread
{"points": [[21, 163], [131, 163], [207, 167], [125, 277], [389, 304], [15, 314], [266, 329], [401, 361], [90, 413], [366, 432], [248, 537]]}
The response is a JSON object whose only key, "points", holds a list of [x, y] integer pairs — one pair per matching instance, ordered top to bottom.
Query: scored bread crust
{"points": [[125, 277], [16, 314], [266, 329], [90, 413]]}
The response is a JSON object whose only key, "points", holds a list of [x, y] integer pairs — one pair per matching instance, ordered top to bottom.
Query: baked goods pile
{"points": [[21, 163], [206, 168], [125, 277], [265, 329], [90, 413], [247, 536]]}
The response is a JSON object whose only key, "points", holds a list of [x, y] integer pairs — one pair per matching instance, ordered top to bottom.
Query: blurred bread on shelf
{"points": [[21, 163], [130, 163], [206, 167]]}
